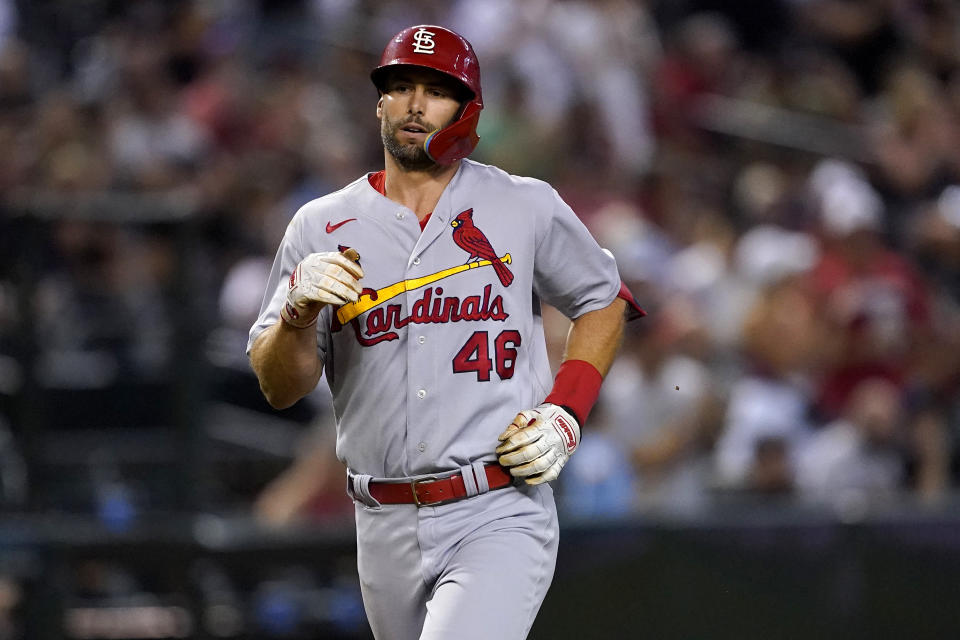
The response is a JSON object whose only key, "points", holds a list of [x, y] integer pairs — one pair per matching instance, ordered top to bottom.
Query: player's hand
{"points": [[321, 279], [538, 443]]}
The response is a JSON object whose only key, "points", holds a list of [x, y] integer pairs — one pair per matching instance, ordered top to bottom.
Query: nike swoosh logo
{"points": [[333, 227]]}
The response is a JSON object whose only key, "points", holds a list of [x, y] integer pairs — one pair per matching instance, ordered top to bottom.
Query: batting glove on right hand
{"points": [[321, 279], [538, 443]]}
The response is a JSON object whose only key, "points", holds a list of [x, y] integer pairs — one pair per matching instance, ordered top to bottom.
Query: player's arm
{"points": [[595, 337], [285, 356], [285, 360], [538, 442]]}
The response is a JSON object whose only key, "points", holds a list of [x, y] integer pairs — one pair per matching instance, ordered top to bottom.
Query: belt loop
{"points": [[480, 473], [469, 482], [360, 483]]}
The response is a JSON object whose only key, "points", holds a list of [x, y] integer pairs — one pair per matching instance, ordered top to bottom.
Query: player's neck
{"points": [[419, 191]]}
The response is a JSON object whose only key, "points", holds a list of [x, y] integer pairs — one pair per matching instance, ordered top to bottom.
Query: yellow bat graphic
{"points": [[367, 301]]}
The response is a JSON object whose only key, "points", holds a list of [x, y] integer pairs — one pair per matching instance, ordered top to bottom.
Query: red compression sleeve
{"points": [[576, 388]]}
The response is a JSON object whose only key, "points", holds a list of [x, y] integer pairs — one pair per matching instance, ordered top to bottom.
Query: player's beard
{"points": [[410, 157]]}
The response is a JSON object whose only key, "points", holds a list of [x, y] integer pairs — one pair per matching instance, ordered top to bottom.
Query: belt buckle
{"points": [[413, 489]]}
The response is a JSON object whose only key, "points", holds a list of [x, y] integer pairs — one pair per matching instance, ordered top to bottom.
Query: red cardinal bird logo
{"points": [[469, 238]]}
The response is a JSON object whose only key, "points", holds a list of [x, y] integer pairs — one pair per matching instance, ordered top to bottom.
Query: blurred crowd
{"points": [[778, 179]]}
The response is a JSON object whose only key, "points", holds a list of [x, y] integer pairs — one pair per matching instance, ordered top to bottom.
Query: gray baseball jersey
{"points": [[445, 345], [428, 367]]}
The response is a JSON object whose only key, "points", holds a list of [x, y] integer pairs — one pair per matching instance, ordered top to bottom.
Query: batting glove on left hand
{"points": [[538, 443]]}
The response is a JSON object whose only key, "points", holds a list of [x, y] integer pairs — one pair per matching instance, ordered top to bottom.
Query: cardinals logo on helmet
{"points": [[472, 240]]}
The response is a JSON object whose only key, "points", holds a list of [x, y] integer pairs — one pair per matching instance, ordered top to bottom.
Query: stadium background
{"points": [[775, 452]]}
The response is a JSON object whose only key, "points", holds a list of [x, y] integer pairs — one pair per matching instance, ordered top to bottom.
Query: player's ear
{"points": [[380, 108]]}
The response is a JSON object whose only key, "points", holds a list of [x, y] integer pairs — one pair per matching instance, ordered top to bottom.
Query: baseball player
{"points": [[416, 290]]}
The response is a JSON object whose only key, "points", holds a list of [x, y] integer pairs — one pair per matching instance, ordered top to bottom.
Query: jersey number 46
{"points": [[475, 355]]}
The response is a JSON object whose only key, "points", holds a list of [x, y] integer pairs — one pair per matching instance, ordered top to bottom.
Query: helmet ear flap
{"points": [[457, 140]]}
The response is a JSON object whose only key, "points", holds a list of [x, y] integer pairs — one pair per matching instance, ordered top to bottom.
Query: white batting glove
{"points": [[320, 279], [538, 443]]}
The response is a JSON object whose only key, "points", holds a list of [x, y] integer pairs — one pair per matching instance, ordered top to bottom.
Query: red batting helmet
{"points": [[448, 52]]}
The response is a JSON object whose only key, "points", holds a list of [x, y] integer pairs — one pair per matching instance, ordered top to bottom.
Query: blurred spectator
{"points": [[607, 44], [701, 58], [915, 136], [151, 142], [516, 143], [935, 240], [873, 299], [661, 405], [768, 415], [861, 454]]}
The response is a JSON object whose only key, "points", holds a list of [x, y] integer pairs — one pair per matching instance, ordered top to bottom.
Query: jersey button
{"points": [[399, 215], [416, 261], [422, 339], [422, 394], [422, 447]]}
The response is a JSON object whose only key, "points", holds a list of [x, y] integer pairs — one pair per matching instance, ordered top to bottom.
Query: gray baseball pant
{"points": [[477, 568]]}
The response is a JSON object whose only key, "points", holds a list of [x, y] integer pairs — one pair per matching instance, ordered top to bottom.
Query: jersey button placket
{"points": [[421, 367]]}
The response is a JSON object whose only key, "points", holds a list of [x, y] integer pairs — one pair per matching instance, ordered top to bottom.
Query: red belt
{"points": [[428, 491]]}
